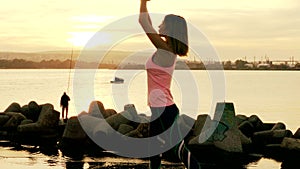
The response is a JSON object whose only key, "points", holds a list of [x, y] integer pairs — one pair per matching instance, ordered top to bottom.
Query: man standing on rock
{"points": [[64, 103]]}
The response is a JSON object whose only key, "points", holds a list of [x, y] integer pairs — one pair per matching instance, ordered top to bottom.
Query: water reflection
{"points": [[42, 156], [102, 165]]}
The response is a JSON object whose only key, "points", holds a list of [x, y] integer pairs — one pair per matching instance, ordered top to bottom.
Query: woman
{"points": [[172, 40]]}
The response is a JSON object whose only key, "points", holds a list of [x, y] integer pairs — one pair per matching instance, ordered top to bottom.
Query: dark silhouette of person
{"points": [[64, 103]]}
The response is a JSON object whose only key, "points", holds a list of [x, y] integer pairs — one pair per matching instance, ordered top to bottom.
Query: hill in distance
{"points": [[111, 57]]}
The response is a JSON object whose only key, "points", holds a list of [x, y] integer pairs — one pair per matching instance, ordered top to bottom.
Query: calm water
{"points": [[272, 95]]}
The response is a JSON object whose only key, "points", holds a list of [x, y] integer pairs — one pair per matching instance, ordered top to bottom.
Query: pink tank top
{"points": [[159, 83]]}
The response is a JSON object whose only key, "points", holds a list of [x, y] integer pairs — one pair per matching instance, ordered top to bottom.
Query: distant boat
{"points": [[117, 80]]}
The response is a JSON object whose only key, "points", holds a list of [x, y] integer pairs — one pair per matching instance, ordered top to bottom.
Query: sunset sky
{"points": [[236, 28]]}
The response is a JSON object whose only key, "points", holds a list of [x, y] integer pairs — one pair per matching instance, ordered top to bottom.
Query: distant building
{"points": [[249, 65], [263, 66]]}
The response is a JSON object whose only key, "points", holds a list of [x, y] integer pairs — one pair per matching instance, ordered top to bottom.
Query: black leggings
{"points": [[162, 119]]}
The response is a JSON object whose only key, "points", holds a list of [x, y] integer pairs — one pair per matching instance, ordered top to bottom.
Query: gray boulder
{"points": [[14, 107], [96, 109], [25, 110], [33, 111], [109, 112], [225, 113], [48, 116], [124, 117], [240, 118], [3, 119], [15, 119], [48, 119], [203, 119], [26, 121], [256, 122], [95, 126], [279, 126], [125, 128], [246, 128], [73, 130], [141, 131], [297, 134], [226, 135], [270, 136], [231, 142], [291, 144]]}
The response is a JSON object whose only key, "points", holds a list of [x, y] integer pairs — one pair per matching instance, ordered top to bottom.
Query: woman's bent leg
{"points": [[186, 156]]}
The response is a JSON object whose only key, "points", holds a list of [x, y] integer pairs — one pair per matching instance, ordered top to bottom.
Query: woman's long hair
{"points": [[177, 34]]}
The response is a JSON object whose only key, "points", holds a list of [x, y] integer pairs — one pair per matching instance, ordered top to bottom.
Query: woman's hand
{"points": [[144, 16]]}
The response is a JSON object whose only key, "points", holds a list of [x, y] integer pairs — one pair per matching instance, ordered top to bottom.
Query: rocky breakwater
{"points": [[30, 124], [85, 130], [226, 138], [238, 139]]}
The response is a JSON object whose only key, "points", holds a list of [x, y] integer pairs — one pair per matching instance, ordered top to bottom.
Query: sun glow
{"points": [[92, 18], [86, 27], [80, 39], [89, 39]]}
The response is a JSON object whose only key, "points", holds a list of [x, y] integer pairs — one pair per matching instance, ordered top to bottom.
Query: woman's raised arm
{"points": [[145, 21]]}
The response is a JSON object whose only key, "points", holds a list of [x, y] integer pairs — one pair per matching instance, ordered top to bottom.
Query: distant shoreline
{"points": [[128, 60], [181, 65]]}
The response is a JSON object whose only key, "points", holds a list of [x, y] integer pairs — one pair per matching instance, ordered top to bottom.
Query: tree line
{"points": [[49, 64], [66, 64]]}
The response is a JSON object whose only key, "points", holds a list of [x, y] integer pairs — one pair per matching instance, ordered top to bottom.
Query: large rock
{"points": [[14, 107], [130, 108], [96, 109], [25, 110], [33, 111], [109, 112], [225, 113], [133, 115], [48, 116], [124, 117], [240, 118], [3, 119], [14, 120], [202, 120], [26, 121], [47, 121], [256, 122], [95, 126], [268, 126], [279, 126], [35, 128], [125, 128], [142, 128], [246, 128], [73, 130], [141, 131], [223, 132], [297, 134], [226, 135], [270, 136], [202, 139], [244, 139], [73, 141], [231, 142], [291, 144]]}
